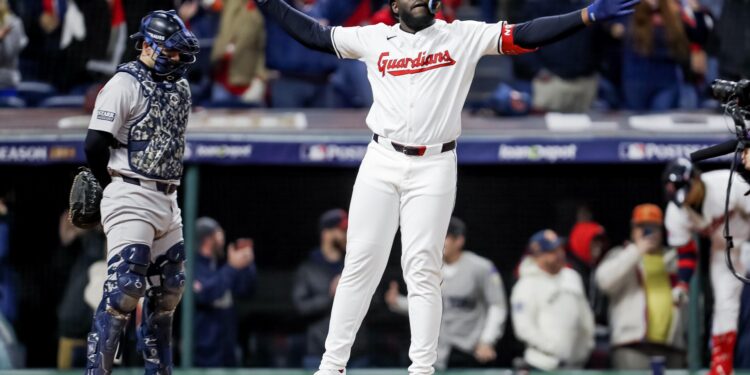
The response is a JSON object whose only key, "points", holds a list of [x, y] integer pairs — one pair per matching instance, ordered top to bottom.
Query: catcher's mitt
{"points": [[85, 197]]}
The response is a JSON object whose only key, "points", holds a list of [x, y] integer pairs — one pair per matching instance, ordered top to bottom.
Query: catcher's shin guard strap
{"points": [[103, 340]]}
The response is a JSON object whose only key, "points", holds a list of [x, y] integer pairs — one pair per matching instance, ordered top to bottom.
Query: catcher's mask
{"points": [[164, 30]]}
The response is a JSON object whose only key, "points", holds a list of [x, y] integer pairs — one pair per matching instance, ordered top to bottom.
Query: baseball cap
{"points": [[647, 214], [335, 218], [205, 227], [456, 227], [545, 240]]}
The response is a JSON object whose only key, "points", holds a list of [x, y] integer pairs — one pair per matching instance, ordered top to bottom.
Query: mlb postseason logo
{"points": [[105, 115], [660, 152], [333, 153]]}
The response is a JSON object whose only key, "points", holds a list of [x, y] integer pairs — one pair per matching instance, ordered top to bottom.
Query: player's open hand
{"points": [[602, 10], [680, 294], [391, 295], [484, 353]]}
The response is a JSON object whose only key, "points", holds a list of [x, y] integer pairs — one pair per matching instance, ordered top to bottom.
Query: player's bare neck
{"points": [[414, 29]]}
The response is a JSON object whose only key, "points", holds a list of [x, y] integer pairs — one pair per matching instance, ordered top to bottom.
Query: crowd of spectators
{"points": [[56, 53], [568, 293]]}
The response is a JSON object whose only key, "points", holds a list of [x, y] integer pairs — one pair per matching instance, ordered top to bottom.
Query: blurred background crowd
{"points": [[57, 53], [588, 297]]}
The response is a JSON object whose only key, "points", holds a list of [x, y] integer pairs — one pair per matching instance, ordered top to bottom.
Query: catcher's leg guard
{"points": [[125, 285], [155, 333], [722, 353]]}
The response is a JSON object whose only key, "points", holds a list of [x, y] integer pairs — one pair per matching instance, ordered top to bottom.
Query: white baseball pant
{"points": [[392, 189], [133, 214], [727, 291]]}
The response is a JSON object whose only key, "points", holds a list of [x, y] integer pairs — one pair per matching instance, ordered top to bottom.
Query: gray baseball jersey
{"points": [[470, 287]]}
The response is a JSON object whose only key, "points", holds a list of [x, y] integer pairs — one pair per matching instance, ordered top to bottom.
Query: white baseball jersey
{"points": [[419, 81], [120, 105], [683, 223]]}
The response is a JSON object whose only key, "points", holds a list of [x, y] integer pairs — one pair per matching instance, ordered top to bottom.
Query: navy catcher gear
{"points": [[164, 30], [156, 142], [678, 178], [125, 285], [155, 333]]}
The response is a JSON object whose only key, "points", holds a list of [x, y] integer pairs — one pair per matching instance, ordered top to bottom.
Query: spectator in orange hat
{"points": [[645, 303]]}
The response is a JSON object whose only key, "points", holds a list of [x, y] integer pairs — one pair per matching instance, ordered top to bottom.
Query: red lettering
{"points": [[381, 63], [407, 65]]}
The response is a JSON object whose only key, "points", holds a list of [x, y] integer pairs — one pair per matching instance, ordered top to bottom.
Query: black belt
{"points": [[416, 150], [160, 186]]}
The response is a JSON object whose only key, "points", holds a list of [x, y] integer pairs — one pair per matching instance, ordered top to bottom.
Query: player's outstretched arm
{"points": [[302, 28], [546, 30]]}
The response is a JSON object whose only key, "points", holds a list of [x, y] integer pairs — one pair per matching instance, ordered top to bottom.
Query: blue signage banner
{"points": [[348, 154]]}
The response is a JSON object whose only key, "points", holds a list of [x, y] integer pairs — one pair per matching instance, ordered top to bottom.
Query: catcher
{"points": [[134, 147]]}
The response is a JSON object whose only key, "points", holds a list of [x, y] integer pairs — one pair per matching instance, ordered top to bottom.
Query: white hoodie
{"points": [[552, 317]]}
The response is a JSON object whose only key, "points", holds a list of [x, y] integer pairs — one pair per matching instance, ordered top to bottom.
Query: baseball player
{"points": [[420, 71], [134, 146], [696, 207], [474, 305]]}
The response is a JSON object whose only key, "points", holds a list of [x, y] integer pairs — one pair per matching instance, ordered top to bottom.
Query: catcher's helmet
{"points": [[165, 30], [678, 178]]}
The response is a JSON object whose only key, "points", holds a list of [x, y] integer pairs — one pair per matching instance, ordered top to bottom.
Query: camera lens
{"points": [[723, 90], [726, 90]]}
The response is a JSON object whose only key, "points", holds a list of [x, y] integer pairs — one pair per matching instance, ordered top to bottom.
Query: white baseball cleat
{"points": [[331, 372]]}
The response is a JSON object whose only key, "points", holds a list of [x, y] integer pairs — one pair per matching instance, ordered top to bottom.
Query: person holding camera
{"points": [[697, 208], [220, 277], [646, 307]]}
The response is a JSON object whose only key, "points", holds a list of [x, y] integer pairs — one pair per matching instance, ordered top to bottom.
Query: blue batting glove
{"points": [[602, 10]]}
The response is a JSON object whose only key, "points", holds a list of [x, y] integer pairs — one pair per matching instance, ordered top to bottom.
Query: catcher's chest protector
{"points": [[156, 143]]}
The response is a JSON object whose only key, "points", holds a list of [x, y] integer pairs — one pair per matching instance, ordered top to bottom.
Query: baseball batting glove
{"points": [[602, 10], [85, 198], [680, 294]]}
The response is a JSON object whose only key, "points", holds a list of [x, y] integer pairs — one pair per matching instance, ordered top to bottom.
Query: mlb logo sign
{"points": [[632, 151], [315, 153], [336, 153]]}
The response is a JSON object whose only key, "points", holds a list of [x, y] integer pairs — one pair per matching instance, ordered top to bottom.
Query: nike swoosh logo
{"points": [[390, 37]]}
